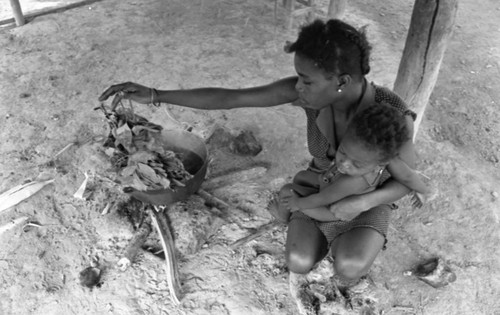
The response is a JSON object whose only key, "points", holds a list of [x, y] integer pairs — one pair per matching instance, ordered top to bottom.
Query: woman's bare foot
{"points": [[280, 213]]}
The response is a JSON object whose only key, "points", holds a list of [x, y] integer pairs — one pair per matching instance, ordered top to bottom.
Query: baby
{"points": [[370, 145]]}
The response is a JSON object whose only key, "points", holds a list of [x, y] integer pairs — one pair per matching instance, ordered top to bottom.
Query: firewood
{"points": [[234, 177], [263, 229], [135, 246]]}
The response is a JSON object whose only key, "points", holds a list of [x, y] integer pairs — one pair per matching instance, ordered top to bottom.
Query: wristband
{"points": [[154, 96]]}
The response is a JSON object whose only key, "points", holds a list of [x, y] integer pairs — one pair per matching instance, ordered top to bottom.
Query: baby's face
{"points": [[354, 159]]}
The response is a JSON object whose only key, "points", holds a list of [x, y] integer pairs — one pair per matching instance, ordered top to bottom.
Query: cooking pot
{"points": [[194, 156]]}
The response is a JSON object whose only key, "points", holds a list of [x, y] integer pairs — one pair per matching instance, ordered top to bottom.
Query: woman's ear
{"points": [[344, 80]]}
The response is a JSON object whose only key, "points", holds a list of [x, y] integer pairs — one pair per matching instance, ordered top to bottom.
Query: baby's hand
{"points": [[291, 202]]}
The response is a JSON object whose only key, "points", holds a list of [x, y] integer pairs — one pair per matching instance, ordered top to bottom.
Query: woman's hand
{"points": [[129, 91], [348, 208]]}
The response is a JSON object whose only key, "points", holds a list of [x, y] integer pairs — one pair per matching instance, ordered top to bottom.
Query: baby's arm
{"points": [[406, 176], [340, 188], [316, 205], [320, 214]]}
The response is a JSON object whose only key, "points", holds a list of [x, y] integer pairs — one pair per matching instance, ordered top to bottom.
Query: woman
{"points": [[331, 61]]}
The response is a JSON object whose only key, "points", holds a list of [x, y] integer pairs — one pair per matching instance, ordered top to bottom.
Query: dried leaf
{"points": [[123, 129], [137, 129], [126, 140], [110, 151], [142, 156], [149, 165], [129, 170], [147, 172], [137, 183], [81, 190], [19, 193], [12, 224]]}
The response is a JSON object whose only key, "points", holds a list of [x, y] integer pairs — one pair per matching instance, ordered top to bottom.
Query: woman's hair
{"points": [[334, 46], [380, 128]]}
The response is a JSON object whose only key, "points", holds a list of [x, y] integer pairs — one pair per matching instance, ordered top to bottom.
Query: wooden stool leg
{"points": [[18, 13]]}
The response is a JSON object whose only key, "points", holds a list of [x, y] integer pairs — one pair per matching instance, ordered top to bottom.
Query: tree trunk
{"points": [[336, 9], [430, 28]]}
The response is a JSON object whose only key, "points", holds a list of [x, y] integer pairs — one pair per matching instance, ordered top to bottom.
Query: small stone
{"points": [[220, 137], [246, 144], [494, 194], [435, 272], [90, 277]]}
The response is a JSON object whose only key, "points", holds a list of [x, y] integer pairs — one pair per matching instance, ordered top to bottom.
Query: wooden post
{"points": [[289, 7], [336, 9], [18, 13], [430, 28]]}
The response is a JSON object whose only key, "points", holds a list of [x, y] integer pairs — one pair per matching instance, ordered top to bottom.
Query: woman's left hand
{"points": [[348, 208]]}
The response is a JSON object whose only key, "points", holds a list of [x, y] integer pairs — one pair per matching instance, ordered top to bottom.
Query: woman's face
{"points": [[315, 90]]}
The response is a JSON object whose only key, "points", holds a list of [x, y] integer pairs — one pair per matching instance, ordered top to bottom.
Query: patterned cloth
{"points": [[318, 144], [320, 148]]}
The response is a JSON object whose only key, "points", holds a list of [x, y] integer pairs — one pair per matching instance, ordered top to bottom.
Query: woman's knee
{"points": [[305, 246], [299, 262], [351, 268]]}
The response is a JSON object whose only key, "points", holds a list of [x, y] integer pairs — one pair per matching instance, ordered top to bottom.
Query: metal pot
{"points": [[194, 156]]}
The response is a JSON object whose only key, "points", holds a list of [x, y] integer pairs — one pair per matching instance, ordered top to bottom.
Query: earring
{"points": [[339, 90]]}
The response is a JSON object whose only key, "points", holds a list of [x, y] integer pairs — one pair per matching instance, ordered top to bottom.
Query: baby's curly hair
{"points": [[334, 46], [380, 128]]}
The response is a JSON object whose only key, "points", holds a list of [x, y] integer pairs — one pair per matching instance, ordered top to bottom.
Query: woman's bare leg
{"points": [[305, 245], [354, 252]]}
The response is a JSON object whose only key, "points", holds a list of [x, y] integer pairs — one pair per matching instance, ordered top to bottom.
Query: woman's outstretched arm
{"points": [[276, 93]]}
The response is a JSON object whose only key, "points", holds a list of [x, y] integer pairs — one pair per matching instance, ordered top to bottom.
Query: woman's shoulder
{"points": [[386, 96]]}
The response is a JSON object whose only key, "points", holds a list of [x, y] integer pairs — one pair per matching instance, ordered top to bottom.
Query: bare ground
{"points": [[54, 68]]}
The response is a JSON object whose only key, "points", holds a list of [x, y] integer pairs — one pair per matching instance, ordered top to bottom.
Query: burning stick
{"points": [[134, 246]]}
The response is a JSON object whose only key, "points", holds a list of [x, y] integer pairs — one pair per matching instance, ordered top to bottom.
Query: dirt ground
{"points": [[54, 68]]}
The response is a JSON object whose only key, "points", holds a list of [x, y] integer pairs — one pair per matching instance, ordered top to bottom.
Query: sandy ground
{"points": [[54, 68]]}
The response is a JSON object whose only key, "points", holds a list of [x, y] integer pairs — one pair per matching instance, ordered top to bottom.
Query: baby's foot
{"points": [[417, 199]]}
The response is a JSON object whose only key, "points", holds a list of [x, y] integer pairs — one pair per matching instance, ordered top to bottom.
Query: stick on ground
{"points": [[263, 229], [167, 241], [135, 246]]}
